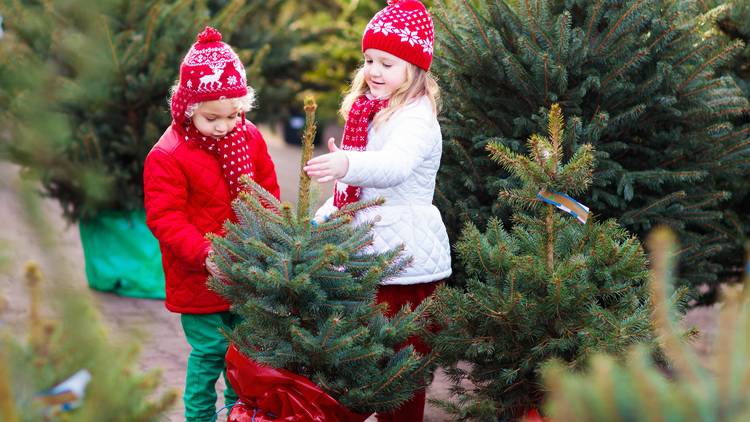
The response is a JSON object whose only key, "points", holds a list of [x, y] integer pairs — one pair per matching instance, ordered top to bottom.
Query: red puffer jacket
{"points": [[186, 197]]}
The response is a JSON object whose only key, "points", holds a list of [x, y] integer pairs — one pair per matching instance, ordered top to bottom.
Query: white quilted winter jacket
{"points": [[400, 164]]}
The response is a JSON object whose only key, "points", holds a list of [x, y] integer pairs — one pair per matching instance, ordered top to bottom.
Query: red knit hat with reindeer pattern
{"points": [[404, 29], [211, 70]]}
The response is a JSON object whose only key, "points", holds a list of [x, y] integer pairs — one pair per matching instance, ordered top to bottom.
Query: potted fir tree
{"points": [[555, 285], [313, 341]]}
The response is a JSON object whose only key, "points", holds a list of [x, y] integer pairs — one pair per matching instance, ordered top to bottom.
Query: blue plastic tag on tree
{"points": [[565, 203]]}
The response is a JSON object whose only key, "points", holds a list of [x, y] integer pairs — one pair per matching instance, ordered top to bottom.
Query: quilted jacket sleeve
{"points": [[408, 144], [264, 169], [165, 190]]}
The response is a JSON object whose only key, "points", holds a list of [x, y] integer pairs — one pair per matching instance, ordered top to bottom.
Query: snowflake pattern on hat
{"points": [[404, 29], [405, 34]]}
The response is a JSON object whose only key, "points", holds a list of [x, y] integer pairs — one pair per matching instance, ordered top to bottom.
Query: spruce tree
{"points": [[729, 21], [636, 75], [548, 287], [306, 293], [65, 334], [66, 338], [639, 390]]}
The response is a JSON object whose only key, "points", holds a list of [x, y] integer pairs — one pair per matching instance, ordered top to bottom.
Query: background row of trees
{"points": [[659, 88]]}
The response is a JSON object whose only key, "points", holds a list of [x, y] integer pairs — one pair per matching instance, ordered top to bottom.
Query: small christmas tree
{"points": [[550, 287], [307, 294], [65, 335], [58, 348], [638, 390]]}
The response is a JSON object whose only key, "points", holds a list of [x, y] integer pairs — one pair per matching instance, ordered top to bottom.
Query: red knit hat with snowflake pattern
{"points": [[404, 29], [211, 70]]}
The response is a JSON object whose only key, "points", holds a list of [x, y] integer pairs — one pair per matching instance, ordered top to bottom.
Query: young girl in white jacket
{"points": [[391, 148]]}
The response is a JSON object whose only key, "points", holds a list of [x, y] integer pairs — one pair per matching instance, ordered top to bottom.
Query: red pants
{"points": [[396, 296]]}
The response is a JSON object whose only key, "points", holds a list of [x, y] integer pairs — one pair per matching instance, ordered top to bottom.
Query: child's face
{"points": [[384, 72], [216, 118]]}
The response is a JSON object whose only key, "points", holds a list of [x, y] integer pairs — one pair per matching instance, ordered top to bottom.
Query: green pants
{"points": [[206, 363]]}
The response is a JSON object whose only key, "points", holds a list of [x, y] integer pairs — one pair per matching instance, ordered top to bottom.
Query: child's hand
{"points": [[327, 167], [315, 222], [211, 266]]}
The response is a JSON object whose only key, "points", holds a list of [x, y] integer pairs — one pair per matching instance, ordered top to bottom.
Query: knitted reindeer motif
{"points": [[212, 81]]}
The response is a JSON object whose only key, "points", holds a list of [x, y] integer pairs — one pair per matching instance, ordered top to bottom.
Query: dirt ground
{"points": [[159, 331]]}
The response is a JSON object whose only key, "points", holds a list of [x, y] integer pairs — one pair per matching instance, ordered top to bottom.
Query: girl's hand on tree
{"points": [[328, 167], [319, 220]]}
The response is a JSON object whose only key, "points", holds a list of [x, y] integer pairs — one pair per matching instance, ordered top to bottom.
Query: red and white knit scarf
{"points": [[355, 139], [232, 151]]}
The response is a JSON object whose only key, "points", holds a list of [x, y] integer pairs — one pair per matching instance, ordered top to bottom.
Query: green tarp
{"points": [[122, 256]]}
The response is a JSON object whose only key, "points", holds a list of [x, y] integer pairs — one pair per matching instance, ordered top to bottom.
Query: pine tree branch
{"points": [[593, 17], [478, 24], [617, 24], [564, 34], [694, 52], [636, 58], [717, 59], [546, 77], [708, 86], [308, 137], [468, 161], [660, 244], [478, 253], [488, 312], [346, 342], [360, 357], [390, 380]]}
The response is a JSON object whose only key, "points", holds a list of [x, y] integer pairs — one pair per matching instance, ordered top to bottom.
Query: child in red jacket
{"points": [[190, 178]]}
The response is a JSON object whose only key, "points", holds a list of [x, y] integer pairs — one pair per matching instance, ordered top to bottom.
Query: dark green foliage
{"points": [[731, 20], [727, 22], [282, 38], [338, 51], [108, 69], [635, 79], [36, 131], [548, 287], [307, 296], [639, 390]]}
